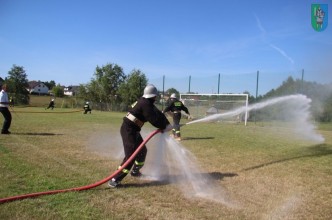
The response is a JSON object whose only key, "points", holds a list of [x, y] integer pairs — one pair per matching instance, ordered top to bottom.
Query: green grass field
{"points": [[266, 171]]}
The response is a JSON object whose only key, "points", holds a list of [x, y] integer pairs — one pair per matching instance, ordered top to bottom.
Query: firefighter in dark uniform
{"points": [[50, 105], [175, 107], [86, 108], [141, 111]]}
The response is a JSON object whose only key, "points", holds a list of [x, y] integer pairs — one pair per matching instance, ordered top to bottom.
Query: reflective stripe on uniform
{"points": [[177, 104], [133, 105], [132, 118], [139, 163], [124, 170]]}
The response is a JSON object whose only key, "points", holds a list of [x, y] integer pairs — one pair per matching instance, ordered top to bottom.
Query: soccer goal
{"points": [[202, 105]]}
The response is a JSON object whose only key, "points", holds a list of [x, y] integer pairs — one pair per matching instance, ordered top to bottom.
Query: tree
{"points": [[17, 84], [50, 84], [132, 87], [103, 88], [58, 91], [170, 91], [82, 92], [318, 93], [326, 115]]}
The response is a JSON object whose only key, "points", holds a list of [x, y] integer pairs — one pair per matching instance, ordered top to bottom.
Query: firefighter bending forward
{"points": [[175, 107], [86, 108], [141, 111]]}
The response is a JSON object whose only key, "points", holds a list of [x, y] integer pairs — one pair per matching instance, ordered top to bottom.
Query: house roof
{"points": [[33, 84], [71, 88]]}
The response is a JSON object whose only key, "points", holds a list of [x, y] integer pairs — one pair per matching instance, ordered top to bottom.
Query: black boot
{"points": [[135, 172]]}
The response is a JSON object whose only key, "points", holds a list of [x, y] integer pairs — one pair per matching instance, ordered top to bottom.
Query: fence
{"points": [[256, 83]]}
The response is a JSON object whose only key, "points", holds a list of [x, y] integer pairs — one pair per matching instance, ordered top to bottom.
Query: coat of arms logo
{"points": [[319, 16]]}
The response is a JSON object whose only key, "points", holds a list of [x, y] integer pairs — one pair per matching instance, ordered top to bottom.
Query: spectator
{"points": [[4, 104]]}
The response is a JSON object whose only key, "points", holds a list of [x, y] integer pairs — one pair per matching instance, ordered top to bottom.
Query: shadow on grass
{"points": [[35, 133], [196, 138], [319, 150], [220, 176], [169, 179], [145, 184]]}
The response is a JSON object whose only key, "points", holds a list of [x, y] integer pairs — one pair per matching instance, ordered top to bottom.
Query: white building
{"points": [[38, 88], [70, 90]]}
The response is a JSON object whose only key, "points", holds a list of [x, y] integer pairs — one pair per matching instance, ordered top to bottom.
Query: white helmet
{"points": [[150, 91], [173, 96], [52, 99], [87, 103]]}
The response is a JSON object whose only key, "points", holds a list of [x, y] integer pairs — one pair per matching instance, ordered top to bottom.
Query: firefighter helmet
{"points": [[150, 91], [173, 96]]}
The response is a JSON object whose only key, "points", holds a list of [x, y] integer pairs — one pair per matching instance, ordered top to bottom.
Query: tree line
{"points": [[108, 89], [112, 90], [320, 94]]}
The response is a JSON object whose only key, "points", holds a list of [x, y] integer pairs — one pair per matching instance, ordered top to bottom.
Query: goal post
{"points": [[202, 105]]}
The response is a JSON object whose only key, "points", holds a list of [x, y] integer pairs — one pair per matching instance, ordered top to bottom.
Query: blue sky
{"points": [[64, 41]]}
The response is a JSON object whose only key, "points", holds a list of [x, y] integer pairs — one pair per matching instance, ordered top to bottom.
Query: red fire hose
{"points": [[13, 198]]}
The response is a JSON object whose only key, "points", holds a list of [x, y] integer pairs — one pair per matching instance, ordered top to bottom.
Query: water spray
{"points": [[302, 125], [132, 157], [172, 158], [171, 162]]}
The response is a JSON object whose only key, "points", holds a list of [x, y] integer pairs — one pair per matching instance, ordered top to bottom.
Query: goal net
{"points": [[202, 105]]}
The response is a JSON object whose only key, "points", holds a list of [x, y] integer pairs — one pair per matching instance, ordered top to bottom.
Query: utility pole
{"points": [[257, 79], [302, 81], [218, 82], [189, 83], [257, 84], [162, 105]]}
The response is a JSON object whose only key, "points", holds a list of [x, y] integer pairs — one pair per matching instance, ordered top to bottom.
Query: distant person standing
{"points": [[4, 104], [50, 105], [176, 106], [87, 108]]}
